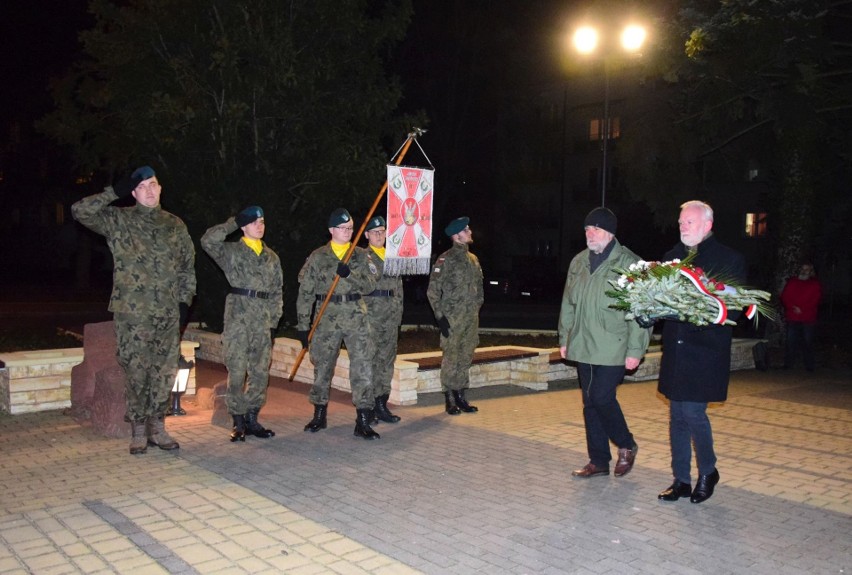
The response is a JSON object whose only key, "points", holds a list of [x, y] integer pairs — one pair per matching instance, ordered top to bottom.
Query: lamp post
{"points": [[586, 40]]}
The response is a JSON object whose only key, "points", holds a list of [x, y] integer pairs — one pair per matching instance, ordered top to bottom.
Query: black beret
{"points": [[248, 215], [337, 217], [376, 222], [456, 226]]}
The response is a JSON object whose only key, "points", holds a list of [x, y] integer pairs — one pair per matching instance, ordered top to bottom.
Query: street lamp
{"points": [[586, 39]]}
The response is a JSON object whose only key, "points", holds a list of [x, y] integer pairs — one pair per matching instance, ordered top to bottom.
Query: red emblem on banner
{"points": [[410, 211]]}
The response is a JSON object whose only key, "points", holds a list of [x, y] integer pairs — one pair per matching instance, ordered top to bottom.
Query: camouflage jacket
{"points": [[153, 255], [245, 269], [318, 273], [455, 284], [383, 308]]}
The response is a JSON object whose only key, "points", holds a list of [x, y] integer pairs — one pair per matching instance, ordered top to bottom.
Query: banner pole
{"points": [[411, 137]]}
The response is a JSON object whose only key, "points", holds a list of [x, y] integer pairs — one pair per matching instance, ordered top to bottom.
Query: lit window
{"points": [[614, 128], [596, 129], [755, 224]]}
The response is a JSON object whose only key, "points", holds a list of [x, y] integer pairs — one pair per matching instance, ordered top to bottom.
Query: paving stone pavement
{"points": [[482, 493]]}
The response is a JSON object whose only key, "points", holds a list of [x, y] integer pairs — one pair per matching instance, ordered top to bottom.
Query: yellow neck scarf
{"points": [[255, 245], [340, 249], [379, 251]]}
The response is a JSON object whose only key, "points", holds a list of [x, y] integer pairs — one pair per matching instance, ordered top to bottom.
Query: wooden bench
{"points": [[485, 355]]}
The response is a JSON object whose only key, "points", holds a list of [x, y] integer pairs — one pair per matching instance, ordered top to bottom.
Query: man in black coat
{"points": [[696, 362]]}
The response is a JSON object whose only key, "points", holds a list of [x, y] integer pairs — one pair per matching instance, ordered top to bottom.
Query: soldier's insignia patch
{"points": [[373, 269]]}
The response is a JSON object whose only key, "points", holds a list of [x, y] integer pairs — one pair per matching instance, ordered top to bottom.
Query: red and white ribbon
{"points": [[695, 278]]}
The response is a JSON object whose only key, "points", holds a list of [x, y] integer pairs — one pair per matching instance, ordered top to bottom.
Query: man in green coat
{"points": [[153, 284], [455, 294], [252, 311], [384, 314], [344, 321], [602, 342]]}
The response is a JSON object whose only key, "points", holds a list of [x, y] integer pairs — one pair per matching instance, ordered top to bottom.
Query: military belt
{"points": [[251, 293], [381, 293], [340, 298]]}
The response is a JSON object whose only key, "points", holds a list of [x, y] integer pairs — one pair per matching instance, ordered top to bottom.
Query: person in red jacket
{"points": [[800, 297]]}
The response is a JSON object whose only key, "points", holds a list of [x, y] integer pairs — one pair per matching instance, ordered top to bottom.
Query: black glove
{"points": [[125, 186], [343, 270], [183, 314], [645, 321], [444, 326], [303, 337]]}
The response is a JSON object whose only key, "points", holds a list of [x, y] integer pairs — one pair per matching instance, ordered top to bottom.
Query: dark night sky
{"points": [[38, 40]]}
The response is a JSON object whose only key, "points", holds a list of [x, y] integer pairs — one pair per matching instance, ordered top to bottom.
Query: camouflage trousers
{"points": [[338, 326], [385, 337], [247, 346], [148, 350], [458, 350]]}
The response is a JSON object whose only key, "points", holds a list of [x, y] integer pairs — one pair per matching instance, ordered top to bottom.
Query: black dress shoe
{"points": [[704, 487], [677, 490]]}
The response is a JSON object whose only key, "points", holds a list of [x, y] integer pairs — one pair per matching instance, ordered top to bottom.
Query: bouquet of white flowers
{"points": [[678, 290]]}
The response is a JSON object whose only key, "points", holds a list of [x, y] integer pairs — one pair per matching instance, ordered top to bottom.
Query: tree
{"points": [[744, 76], [281, 104]]}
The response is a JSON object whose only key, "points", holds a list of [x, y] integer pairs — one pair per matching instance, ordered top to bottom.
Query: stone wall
{"points": [[37, 380], [41, 380], [408, 380]]}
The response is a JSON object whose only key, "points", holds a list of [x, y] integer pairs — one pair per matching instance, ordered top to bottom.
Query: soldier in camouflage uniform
{"points": [[153, 285], [455, 294], [384, 306], [252, 311], [344, 320]]}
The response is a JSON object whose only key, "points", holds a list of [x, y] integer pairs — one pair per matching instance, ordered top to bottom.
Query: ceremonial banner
{"points": [[409, 239]]}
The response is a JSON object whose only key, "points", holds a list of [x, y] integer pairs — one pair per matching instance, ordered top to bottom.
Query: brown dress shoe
{"points": [[626, 457], [590, 470]]}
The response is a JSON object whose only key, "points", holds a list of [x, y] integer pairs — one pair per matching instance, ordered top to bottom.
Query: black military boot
{"points": [[458, 395], [451, 404], [382, 412], [319, 421], [362, 425], [254, 428], [239, 432], [157, 434], [139, 442]]}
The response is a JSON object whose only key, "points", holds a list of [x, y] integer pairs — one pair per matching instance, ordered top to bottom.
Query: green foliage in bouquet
{"points": [[679, 290]]}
